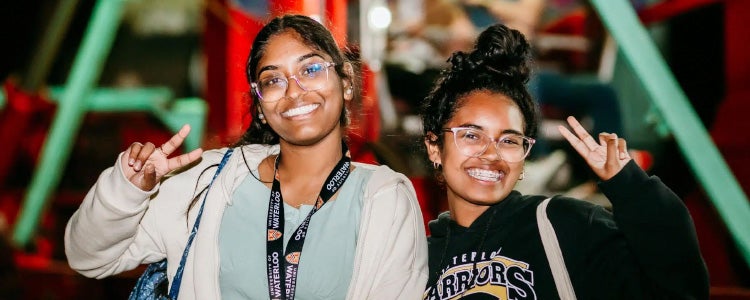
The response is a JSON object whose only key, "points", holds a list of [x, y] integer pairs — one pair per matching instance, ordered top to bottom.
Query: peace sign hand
{"points": [[605, 158], [145, 164]]}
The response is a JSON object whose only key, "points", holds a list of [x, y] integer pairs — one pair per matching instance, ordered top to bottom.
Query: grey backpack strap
{"points": [[554, 255]]}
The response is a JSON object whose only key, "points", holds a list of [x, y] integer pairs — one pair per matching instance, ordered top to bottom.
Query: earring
{"points": [[349, 91], [262, 118], [435, 165], [523, 174]]}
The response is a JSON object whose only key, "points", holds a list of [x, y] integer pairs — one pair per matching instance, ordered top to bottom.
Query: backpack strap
{"points": [[554, 254]]}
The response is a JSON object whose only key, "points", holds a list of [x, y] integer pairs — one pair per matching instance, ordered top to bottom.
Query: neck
{"points": [[310, 160], [463, 212]]}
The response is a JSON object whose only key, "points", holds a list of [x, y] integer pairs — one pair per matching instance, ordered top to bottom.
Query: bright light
{"points": [[379, 17]]}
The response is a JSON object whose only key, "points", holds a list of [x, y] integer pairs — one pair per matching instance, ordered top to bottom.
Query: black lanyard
{"points": [[282, 265]]}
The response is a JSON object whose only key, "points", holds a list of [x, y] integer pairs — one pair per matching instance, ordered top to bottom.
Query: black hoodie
{"points": [[646, 249]]}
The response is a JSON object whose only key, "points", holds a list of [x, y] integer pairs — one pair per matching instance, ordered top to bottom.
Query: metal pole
{"points": [[50, 43], [84, 74], [672, 104]]}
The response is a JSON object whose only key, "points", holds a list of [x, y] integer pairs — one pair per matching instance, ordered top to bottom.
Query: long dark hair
{"points": [[315, 35], [500, 63]]}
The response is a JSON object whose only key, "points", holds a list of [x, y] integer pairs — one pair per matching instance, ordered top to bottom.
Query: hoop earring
{"points": [[262, 118], [436, 165], [523, 174]]}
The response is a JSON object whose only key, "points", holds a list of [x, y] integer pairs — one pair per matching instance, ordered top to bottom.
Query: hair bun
{"points": [[504, 51], [460, 62]]}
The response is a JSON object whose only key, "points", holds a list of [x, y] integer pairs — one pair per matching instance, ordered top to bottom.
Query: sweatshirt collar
{"points": [[439, 226]]}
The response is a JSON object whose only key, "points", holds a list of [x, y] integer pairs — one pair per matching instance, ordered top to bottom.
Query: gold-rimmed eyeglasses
{"points": [[272, 86], [473, 142]]}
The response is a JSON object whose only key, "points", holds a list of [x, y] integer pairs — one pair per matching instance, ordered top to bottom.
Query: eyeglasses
{"points": [[310, 77], [473, 143]]}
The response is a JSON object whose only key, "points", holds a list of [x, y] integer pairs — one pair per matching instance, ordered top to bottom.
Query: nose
{"points": [[293, 90], [491, 153]]}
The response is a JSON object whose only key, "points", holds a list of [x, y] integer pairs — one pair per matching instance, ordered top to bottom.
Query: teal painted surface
{"points": [[48, 48], [84, 74], [155, 100], [674, 110]]}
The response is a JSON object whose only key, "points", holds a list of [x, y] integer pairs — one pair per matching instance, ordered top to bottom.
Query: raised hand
{"points": [[606, 158], [145, 164]]}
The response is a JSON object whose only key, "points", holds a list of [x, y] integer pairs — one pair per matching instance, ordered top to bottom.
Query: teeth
{"points": [[300, 110], [484, 175]]}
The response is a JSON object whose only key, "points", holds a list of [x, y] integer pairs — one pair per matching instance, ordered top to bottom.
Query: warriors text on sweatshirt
{"points": [[645, 249]]}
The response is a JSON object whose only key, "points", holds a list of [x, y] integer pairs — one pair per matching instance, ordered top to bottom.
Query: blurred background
{"points": [[83, 79]]}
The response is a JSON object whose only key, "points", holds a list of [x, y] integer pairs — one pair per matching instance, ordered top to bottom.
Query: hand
{"points": [[605, 158], [145, 164]]}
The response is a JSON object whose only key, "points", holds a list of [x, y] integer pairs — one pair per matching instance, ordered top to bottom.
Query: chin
{"points": [[488, 198]]}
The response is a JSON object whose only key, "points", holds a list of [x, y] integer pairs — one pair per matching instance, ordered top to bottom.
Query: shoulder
{"points": [[382, 175], [384, 178], [389, 192], [574, 214]]}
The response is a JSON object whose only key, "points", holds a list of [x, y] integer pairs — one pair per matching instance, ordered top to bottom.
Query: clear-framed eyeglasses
{"points": [[272, 86], [474, 142]]}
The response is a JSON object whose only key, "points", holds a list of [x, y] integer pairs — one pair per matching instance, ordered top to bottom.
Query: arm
{"points": [[110, 232], [660, 234], [100, 236], [655, 251], [392, 255]]}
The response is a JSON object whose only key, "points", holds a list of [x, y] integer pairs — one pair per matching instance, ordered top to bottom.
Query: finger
{"points": [[583, 135], [603, 138], [176, 141], [577, 144], [622, 148], [133, 152], [613, 154], [143, 155], [184, 159], [149, 177]]}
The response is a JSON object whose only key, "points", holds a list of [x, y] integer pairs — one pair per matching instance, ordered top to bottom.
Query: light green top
{"points": [[326, 263]]}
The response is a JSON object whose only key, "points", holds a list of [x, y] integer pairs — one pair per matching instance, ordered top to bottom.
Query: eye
{"points": [[312, 69], [272, 82], [468, 134], [512, 140]]}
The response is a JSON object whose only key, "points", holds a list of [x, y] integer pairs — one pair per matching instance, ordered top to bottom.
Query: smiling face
{"points": [[301, 117], [486, 179]]}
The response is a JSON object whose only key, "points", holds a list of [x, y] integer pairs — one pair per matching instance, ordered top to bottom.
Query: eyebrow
{"points": [[299, 59], [475, 126]]}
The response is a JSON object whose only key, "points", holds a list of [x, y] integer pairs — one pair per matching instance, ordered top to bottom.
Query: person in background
{"points": [[479, 122], [289, 176]]}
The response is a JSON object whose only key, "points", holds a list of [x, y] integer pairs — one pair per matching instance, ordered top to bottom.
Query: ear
{"points": [[347, 83], [433, 149]]}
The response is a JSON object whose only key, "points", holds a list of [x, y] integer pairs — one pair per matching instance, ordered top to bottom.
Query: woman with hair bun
{"points": [[479, 122]]}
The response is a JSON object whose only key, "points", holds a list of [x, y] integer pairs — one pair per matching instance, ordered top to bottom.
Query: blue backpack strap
{"points": [[175, 289]]}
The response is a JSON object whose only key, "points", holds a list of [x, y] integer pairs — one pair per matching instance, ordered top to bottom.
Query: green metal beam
{"points": [[41, 63], [85, 72], [3, 99], [122, 100], [155, 100], [673, 106]]}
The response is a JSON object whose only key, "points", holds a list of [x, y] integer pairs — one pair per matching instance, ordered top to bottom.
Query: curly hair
{"points": [[313, 34], [500, 62]]}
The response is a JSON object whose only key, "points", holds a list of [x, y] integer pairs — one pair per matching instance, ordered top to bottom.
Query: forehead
{"points": [[286, 48], [493, 112]]}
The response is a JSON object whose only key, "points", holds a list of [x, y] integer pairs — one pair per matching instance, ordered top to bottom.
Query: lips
{"points": [[301, 110], [485, 175]]}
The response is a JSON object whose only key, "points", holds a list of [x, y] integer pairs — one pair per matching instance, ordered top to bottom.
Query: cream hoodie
{"points": [[118, 227]]}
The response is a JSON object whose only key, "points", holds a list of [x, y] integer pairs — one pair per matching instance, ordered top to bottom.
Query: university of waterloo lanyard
{"points": [[282, 265]]}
